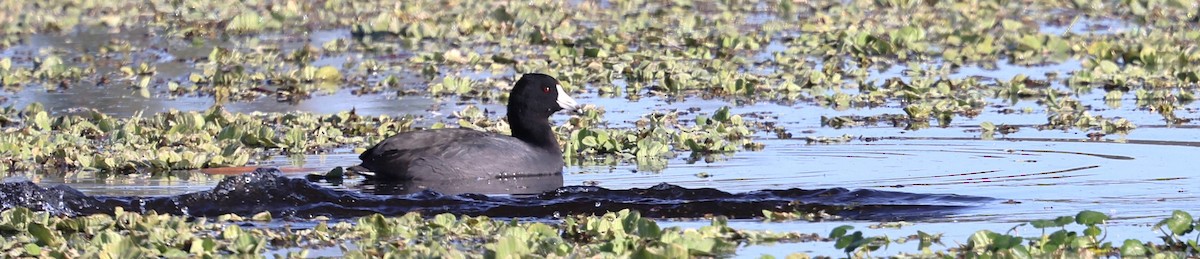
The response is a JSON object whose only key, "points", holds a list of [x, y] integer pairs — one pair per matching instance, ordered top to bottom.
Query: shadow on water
{"points": [[266, 189]]}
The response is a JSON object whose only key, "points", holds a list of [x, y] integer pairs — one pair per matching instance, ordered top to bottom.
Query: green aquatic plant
{"points": [[813, 52], [816, 52], [1066, 113], [657, 136], [217, 138], [177, 140], [780, 216], [619, 234], [1062, 241], [855, 242]]}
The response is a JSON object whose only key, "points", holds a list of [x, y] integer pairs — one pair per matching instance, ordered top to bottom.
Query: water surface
{"points": [[941, 179]]}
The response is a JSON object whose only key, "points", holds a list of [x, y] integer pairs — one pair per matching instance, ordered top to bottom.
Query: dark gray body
{"points": [[447, 154]]}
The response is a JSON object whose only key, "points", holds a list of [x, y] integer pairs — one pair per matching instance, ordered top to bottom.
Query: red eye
{"points": [[546, 90]]}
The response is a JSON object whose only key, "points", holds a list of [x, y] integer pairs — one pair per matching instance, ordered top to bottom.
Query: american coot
{"points": [[446, 154]]}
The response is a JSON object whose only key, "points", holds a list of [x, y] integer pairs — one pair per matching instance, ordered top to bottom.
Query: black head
{"points": [[538, 96], [533, 99]]}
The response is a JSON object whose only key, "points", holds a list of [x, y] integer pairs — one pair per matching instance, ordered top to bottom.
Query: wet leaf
{"points": [[246, 22], [1030, 43], [1058, 45], [1108, 67], [328, 73], [144, 83], [42, 121], [987, 126], [589, 141], [262, 216], [1089, 218], [445, 220], [1063, 220], [1180, 222], [1041, 223], [839, 231], [1092, 231], [44, 236], [982, 239], [926, 240], [849, 243], [117, 246], [202, 246], [510, 247], [1133, 248], [32, 249], [175, 253]]}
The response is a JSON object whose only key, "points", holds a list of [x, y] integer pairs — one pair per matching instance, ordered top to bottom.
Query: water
{"points": [[127, 102], [1044, 173], [943, 180], [956, 185], [266, 189]]}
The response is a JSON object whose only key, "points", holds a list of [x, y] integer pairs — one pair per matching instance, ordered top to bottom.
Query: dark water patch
{"points": [[1081, 153], [267, 190], [59, 199]]}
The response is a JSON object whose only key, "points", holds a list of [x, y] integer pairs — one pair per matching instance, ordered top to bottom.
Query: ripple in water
{"points": [[266, 189]]}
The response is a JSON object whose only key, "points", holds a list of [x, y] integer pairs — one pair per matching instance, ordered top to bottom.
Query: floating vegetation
{"points": [[819, 52], [908, 56], [1068, 113], [657, 136], [216, 138], [654, 138], [176, 140], [829, 140], [623, 233], [129, 234], [1061, 241]]}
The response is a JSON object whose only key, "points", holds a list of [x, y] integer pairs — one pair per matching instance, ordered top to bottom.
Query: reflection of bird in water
{"points": [[535, 184]]}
